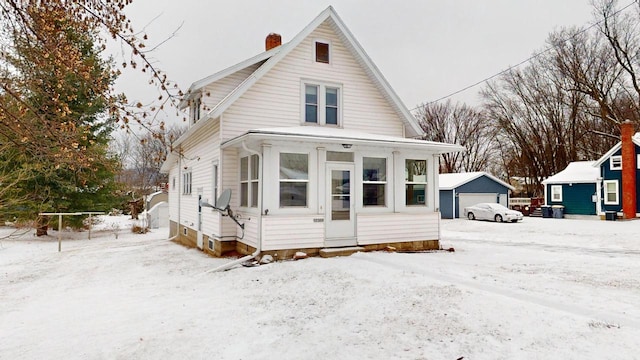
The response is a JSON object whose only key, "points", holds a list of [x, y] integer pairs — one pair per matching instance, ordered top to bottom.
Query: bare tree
{"points": [[463, 125]]}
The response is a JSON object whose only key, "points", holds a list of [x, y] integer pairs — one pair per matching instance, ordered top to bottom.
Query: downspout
{"points": [[453, 206], [231, 264]]}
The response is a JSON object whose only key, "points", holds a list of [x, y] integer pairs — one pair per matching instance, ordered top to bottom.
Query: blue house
{"points": [[609, 168], [575, 188], [458, 191]]}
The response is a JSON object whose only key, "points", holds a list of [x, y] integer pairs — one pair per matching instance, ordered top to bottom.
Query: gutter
{"points": [[231, 264]]}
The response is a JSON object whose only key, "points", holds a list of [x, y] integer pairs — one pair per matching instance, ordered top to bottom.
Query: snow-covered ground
{"points": [[540, 289]]}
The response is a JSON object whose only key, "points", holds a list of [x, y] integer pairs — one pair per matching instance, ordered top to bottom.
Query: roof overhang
{"points": [[324, 135]]}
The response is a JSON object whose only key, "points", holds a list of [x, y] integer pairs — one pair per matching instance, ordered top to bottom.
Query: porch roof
{"points": [[330, 135]]}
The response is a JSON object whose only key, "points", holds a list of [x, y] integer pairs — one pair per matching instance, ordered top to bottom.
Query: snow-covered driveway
{"points": [[540, 289]]}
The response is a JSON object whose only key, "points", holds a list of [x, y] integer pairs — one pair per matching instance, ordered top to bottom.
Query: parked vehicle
{"points": [[494, 212]]}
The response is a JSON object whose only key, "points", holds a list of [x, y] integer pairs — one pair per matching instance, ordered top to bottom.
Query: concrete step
{"points": [[341, 251]]}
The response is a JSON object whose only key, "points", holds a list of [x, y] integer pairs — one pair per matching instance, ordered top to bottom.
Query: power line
{"points": [[521, 62]]}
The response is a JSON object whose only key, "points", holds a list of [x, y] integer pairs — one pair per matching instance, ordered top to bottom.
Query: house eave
{"points": [[353, 139]]}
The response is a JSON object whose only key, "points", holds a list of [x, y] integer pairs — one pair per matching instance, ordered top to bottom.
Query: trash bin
{"points": [[546, 211], [558, 211], [611, 215]]}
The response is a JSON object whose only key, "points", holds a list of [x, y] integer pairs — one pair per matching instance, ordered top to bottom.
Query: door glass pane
{"points": [[340, 195]]}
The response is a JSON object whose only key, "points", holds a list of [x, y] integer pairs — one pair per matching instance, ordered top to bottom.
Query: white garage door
{"points": [[472, 199]]}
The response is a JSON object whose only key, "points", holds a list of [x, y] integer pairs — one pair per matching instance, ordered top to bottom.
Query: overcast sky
{"points": [[426, 49]]}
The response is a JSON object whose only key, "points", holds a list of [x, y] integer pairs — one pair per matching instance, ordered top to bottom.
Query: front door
{"points": [[340, 208]]}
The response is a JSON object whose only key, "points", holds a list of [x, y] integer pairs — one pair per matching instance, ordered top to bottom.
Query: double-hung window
{"points": [[196, 104], [322, 104], [415, 176], [294, 179], [249, 180], [374, 181], [186, 183], [611, 192], [556, 193]]}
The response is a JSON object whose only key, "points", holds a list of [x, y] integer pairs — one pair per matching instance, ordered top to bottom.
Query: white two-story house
{"points": [[316, 147]]}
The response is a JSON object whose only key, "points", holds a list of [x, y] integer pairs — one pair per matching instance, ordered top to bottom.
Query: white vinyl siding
{"points": [[212, 94], [363, 106], [198, 154], [381, 228], [277, 232]]}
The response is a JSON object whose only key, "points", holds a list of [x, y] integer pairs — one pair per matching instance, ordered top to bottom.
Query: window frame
{"points": [[315, 51], [321, 105], [194, 109], [618, 158], [251, 180], [298, 181], [187, 182], [376, 182], [214, 183], [425, 183], [553, 188], [605, 192]]}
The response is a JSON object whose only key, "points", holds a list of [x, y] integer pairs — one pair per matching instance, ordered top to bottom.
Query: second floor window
{"points": [[196, 104], [322, 104]]}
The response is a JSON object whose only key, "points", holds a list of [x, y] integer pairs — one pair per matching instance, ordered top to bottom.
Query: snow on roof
{"points": [[273, 57], [575, 172], [452, 181]]}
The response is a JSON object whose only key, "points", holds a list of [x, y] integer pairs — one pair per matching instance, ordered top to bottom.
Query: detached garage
{"points": [[458, 191]]}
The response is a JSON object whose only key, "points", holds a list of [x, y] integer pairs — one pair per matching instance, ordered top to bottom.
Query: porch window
{"points": [[322, 104], [615, 163], [415, 176], [249, 179], [294, 179], [374, 181], [186, 183], [611, 192], [556, 193]]}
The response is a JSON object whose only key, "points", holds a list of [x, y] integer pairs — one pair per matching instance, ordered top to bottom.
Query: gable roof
{"points": [[272, 58], [200, 84], [636, 140], [575, 172], [452, 181]]}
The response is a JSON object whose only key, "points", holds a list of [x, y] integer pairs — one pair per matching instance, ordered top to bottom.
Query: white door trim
{"points": [[340, 225]]}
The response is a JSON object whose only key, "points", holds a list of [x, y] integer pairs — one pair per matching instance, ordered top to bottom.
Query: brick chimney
{"points": [[273, 40], [628, 170]]}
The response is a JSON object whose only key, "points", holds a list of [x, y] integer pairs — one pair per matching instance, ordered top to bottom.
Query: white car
{"points": [[489, 211]]}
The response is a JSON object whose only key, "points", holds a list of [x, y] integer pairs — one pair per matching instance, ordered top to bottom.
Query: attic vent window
{"points": [[322, 52], [616, 162]]}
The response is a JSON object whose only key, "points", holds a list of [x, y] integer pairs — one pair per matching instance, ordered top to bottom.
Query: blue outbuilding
{"points": [[610, 171], [575, 188], [458, 191]]}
